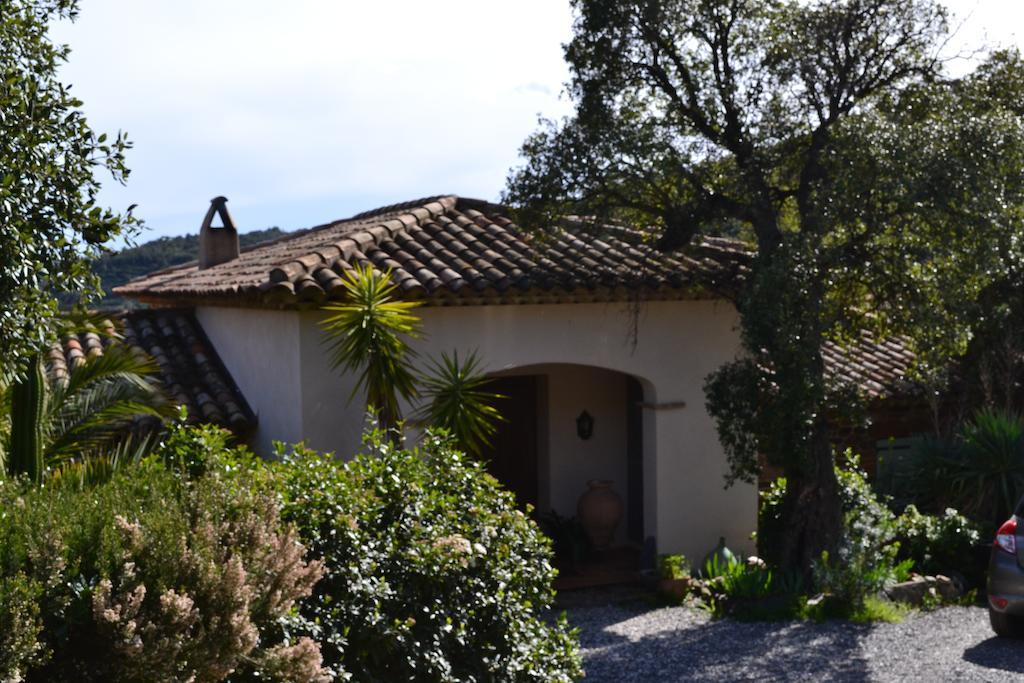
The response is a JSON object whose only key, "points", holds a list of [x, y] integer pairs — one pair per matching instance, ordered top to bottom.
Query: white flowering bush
{"points": [[878, 547], [431, 572], [153, 576]]}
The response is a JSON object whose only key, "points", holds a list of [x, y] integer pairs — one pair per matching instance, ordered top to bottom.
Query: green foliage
{"points": [[51, 162], [882, 194], [116, 268], [366, 335], [455, 400], [82, 426], [23, 453], [980, 471], [569, 539], [937, 543], [878, 546], [673, 566], [716, 566], [432, 573], [152, 576], [750, 590], [877, 609], [20, 625]]}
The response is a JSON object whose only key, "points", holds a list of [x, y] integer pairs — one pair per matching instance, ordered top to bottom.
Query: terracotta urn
{"points": [[599, 510]]}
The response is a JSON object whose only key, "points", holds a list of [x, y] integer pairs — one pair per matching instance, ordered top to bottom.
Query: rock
{"points": [[947, 588], [915, 591], [911, 592]]}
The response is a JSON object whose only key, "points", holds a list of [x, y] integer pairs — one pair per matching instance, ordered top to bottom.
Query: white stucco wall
{"points": [[259, 349], [279, 362]]}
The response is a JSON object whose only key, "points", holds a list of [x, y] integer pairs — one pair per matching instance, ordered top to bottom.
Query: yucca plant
{"points": [[367, 335], [456, 399], [82, 427], [981, 471], [989, 476]]}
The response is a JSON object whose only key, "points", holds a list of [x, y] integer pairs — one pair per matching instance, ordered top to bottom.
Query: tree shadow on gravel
{"points": [[719, 650], [1005, 654]]}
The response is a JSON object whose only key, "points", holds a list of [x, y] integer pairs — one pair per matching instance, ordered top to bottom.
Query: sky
{"points": [[308, 111]]}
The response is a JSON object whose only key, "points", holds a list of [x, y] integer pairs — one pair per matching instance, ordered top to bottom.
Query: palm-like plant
{"points": [[367, 334], [456, 400], [83, 425], [991, 469], [981, 472]]}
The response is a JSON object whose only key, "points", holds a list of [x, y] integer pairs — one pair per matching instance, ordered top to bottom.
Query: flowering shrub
{"points": [[939, 543], [878, 546], [431, 571], [151, 576]]}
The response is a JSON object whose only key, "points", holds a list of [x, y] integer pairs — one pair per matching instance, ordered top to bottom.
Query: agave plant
{"points": [[367, 334], [457, 400], [83, 426], [981, 472], [990, 475]]}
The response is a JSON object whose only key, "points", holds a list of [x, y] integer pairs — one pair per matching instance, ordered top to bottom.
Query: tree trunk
{"points": [[812, 509]]}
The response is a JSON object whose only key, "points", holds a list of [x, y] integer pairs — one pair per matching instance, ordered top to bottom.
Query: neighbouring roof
{"points": [[451, 250], [878, 368], [191, 373]]}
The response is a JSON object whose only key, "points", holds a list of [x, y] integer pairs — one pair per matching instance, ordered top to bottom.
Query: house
{"points": [[571, 324]]}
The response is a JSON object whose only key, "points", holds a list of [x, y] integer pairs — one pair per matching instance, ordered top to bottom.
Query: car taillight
{"points": [[1006, 537]]}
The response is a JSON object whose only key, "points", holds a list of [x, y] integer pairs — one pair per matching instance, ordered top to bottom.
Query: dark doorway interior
{"points": [[512, 458], [634, 461]]}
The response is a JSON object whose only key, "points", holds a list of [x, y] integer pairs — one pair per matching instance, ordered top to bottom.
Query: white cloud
{"points": [[288, 107], [309, 110]]}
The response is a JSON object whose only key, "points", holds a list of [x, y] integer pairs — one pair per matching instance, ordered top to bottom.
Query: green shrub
{"points": [[979, 472], [938, 543], [878, 547], [673, 566], [431, 571], [151, 576], [749, 590], [20, 626]]}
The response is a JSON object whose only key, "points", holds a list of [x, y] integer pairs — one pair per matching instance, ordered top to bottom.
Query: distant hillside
{"points": [[120, 267]]}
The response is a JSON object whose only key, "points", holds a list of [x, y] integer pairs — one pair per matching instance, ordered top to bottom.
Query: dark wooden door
{"points": [[512, 458]]}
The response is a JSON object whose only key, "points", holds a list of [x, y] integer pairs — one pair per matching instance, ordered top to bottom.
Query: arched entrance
{"points": [[546, 456]]}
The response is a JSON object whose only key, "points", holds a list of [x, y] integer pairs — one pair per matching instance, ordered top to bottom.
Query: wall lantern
{"points": [[585, 425]]}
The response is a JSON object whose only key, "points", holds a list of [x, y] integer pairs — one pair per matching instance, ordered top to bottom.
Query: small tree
{"points": [[881, 194], [52, 225], [367, 334], [457, 400], [84, 425]]}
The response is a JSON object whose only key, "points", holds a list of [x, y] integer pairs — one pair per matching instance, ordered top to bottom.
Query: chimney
{"points": [[217, 245]]}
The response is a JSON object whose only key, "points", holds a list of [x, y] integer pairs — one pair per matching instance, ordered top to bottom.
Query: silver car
{"points": [[1006, 577]]}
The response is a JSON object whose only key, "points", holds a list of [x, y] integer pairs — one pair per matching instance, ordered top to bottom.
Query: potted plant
{"points": [[674, 580]]}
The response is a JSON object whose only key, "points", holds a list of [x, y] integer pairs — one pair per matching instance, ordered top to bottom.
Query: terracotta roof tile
{"points": [[451, 250], [454, 251], [879, 368], [190, 370]]}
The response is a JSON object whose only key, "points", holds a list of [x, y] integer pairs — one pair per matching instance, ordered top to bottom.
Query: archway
{"points": [[546, 456]]}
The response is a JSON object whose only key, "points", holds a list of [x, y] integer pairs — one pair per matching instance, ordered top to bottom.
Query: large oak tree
{"points": [[880, 193]]}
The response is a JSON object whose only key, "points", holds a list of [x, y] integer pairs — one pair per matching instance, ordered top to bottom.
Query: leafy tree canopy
{"points": [[882, 194], [51, 225]]}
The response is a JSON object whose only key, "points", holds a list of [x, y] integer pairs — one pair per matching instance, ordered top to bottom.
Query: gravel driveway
{"points": [[628, 640]]}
